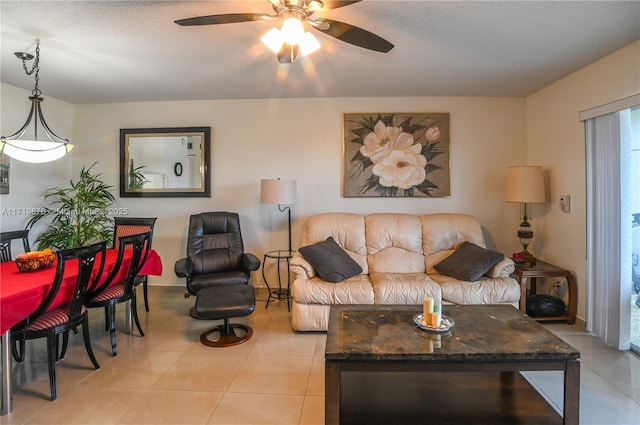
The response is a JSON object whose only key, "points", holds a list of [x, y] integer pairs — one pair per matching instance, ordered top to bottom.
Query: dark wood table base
{"points": [[444, 398]]}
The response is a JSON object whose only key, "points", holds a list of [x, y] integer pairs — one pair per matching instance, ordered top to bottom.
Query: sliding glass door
{"points": [[635, 230]]}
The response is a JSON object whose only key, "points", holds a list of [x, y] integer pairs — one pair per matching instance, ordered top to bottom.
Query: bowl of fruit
{"points": [[35, 260]]}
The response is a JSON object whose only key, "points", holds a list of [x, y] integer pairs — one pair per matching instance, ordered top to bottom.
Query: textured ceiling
{"points": [[111, 51]]}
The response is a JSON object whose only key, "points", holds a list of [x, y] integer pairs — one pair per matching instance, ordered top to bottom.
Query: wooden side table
{"points": [[542, 269]]}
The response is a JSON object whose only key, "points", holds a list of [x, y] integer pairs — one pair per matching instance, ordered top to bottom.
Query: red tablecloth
{"points": [[21, 293]]}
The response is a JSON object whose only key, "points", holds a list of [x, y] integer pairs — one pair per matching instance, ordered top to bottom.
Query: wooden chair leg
{"points": [[145, 290], [134, 313], [112, 328], [65, 342], [87, 342], [17, 350], [51, 363]]}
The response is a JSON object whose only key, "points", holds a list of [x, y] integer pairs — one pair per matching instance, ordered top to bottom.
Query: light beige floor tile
{"points": [[278, 341], [133, 369], [202, 371], [272, 375], [276, 377], [315, 386], [99, 406], [172, 407], [258, 409], [312, 411]]}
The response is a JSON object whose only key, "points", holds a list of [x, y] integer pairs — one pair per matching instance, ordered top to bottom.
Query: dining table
{"points": [[22, 292]]}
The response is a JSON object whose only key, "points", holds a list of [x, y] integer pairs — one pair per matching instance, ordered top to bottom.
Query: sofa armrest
{"points": [[301, 267], [503, 269]]}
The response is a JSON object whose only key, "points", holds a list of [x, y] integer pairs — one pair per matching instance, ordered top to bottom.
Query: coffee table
{"points": [[374, 353]]}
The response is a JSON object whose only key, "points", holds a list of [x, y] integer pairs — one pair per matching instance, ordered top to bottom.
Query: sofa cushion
{"points": [[346, 229], [447, 231], [394, 243], [330, 261], [469, 262], [404, 288], [355, 290], [484, 291]]}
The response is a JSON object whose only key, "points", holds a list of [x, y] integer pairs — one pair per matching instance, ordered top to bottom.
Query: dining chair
{"points": [[127, 226], [5, 243], [109, 294], [50, 323]]}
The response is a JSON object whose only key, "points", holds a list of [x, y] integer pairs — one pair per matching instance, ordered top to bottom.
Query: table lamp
{"points": [[525, 185], [281, 192]]}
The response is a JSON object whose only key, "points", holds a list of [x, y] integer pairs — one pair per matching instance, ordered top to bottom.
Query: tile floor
{"points": [[277, 377]]}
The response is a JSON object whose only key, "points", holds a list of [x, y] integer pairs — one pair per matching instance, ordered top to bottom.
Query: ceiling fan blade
{"points": [[336, 4], [228, 18], [354, 35]]}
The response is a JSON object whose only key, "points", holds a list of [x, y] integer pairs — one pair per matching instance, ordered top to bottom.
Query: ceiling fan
{"points": [[293, 39]]}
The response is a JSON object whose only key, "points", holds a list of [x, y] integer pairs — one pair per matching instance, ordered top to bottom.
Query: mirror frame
{"points": [[127, 133]]}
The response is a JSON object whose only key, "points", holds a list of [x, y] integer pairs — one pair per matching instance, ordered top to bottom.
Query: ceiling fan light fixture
{"points": [[292, 31], [273, 40], [308, 44]]}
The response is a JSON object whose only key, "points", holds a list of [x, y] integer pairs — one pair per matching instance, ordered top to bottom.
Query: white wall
{"points": [[302, 139], [555, 140], [29, 181]]}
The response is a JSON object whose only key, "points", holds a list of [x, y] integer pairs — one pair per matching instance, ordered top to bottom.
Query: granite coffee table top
{"points": [[482, 333]]}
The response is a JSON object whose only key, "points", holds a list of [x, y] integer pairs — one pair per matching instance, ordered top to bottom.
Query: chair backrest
{"points": [[127, 226], [215, 242], [5, 243], [138, 245], [90, 264]]}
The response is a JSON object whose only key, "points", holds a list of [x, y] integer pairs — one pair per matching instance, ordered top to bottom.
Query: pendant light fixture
{"points": [[34, 150]]}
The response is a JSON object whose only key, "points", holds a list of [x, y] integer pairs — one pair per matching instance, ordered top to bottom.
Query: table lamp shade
{"points": [[525, 184], [277, 191]]}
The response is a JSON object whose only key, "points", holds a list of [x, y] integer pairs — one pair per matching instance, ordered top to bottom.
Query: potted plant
{"points": [[136, 177], [79, 213]]}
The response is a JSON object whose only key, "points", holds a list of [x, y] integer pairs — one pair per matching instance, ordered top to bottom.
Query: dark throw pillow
{"points": [[330, 261], [469, 262]]}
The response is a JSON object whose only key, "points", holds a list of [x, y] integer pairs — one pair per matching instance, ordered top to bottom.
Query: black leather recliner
{"points": [[215, 253]]}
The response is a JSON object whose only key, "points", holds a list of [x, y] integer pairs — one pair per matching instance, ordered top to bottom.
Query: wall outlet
{"points": [[565, 203]]}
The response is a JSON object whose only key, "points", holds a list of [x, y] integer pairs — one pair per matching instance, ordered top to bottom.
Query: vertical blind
{"points": [[608, 155]]}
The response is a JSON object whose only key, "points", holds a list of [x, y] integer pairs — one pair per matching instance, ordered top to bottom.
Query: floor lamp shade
{"points": [[525, 184], [277, 191], [281, 192]]}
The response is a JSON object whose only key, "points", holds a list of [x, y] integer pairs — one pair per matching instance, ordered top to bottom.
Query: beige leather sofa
{"points": [[397, 254]]}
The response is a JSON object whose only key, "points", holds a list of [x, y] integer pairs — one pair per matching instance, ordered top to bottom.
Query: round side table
{"points": [[282, 292]]}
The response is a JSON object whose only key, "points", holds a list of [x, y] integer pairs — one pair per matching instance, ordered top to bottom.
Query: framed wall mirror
{"points": [[165, 162]]}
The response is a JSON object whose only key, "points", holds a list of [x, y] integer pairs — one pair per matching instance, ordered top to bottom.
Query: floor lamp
{"points": [[525, 185], [281, 192]]}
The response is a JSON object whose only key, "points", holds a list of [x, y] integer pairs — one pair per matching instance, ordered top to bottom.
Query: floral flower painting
{"points": [[396, 155]]}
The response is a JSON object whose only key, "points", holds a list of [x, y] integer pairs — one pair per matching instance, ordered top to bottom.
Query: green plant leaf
{"points": [[78, 214]]}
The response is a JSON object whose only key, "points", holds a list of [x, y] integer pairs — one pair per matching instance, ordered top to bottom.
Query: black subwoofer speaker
{"points": [[541, 305]]}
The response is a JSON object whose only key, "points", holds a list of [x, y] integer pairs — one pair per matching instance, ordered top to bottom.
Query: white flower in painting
{"points": [[433, 134], [382, 140], [402, 168]]}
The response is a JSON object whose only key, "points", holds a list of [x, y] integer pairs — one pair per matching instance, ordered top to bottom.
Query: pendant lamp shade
{"points": [[34, 149]]}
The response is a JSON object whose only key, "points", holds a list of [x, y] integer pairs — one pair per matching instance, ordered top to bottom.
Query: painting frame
{"points": [[396, 154]]}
